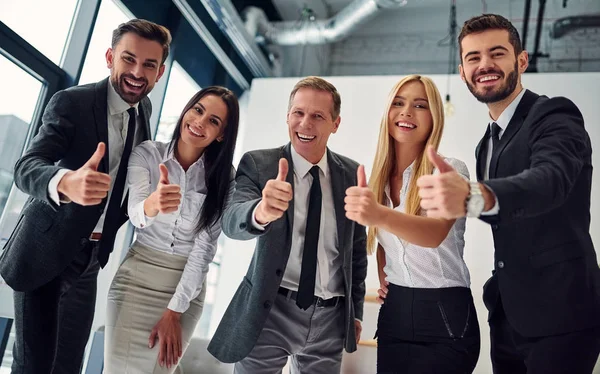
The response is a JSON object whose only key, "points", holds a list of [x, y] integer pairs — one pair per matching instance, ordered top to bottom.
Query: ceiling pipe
{"points": [[526, 22], [334, 29], [533, 68]]}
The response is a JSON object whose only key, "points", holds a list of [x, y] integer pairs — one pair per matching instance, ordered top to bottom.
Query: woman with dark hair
{"points": [[177, 194]]}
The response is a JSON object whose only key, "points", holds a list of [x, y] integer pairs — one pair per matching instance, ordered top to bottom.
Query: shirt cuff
{"points": [[53, 188], [495, 209], [139, 217], [255, 223], [178, 305], [359, 320]]}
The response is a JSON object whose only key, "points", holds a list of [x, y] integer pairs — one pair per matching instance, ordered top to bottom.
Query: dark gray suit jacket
{"points": [[47, 237], [546, 270], [245, 317]]}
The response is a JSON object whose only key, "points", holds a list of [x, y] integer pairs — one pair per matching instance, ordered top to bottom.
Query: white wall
{"points": [[363, 102]]}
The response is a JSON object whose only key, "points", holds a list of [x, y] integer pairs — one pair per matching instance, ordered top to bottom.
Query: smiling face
{"points": [[135, 66], [489, 66], [409, 117], [204, 122], [310, 122]]}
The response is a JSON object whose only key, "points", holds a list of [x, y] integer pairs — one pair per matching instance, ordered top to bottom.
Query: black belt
{"points": [[319, 302]]}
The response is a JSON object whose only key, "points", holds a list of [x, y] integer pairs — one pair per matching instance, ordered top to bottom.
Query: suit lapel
{"points": [[101, 119], [512, 129], [286, 153], [481, 153], [338, 189]]}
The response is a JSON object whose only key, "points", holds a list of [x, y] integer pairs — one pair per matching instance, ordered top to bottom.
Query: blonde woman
{"points": [[427, 321]]}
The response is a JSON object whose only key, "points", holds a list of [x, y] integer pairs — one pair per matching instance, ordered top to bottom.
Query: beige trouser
{"points": [[138, 296]]}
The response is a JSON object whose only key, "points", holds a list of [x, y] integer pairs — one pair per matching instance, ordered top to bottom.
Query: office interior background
{"points": [[259, 49]]}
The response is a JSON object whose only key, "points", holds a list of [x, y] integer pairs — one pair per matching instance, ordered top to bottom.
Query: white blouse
{"points": [[173, 233], [414, 266]]}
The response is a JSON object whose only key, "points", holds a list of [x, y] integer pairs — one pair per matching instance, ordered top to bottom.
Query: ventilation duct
{"points": [[563, 26], [334, 29]]}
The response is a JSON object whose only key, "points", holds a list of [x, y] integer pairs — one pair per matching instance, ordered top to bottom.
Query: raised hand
{"points": [[86, 186], [443, 195], [276, 196], [166, 198], [361, 205]]}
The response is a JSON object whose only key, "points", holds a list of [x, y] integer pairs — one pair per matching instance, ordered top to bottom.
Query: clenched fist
{"points": [[86, 186], [276, 197], [166, 198]]}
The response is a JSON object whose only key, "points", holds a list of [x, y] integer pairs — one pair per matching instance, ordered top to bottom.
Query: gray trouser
{"points": [[313, 337]]}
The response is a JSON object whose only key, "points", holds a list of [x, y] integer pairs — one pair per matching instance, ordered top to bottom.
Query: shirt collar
{"points": [[116, 105], [508, 113], [169, 154], [302, 166], [406, 175]]}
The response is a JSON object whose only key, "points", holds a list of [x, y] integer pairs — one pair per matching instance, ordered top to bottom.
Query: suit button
{"points": [[101, 210], [243, 225], [494, 227], [83, 242], [501, 264], [278, 272], [267, 304]]}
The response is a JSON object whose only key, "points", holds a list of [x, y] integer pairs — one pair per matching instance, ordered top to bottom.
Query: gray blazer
{"points": [[47, 237], [245, 317]]}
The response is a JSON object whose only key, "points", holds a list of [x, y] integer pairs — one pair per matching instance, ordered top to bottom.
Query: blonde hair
{"points": [[319, 84], [385, 156]]}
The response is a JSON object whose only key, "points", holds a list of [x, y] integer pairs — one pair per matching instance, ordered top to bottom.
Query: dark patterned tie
{"points": [[494, 134], [111, 220], [308, 274]]}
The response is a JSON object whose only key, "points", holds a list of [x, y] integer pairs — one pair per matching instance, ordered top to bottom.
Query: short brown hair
{"points": [[486, 22], [147, 30], [319, 84]]}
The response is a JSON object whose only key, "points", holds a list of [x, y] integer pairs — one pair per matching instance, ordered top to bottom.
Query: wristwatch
{"points": [[475, 202]]}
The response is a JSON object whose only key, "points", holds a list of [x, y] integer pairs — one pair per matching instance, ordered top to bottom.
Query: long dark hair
{"points": [[218, 156]]}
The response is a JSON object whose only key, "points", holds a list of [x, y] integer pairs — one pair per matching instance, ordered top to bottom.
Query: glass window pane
{"points": [[109, 17], [43, 24], [180, 89], [17, 107], [16, 111]]}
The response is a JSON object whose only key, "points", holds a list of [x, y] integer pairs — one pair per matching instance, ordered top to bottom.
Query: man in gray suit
{"points": [[74, 172], [304, 291]]}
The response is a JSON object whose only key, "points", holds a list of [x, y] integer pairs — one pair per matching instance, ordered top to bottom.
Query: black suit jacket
{"points": [[47, 237], [546, 271], [246, 315]]}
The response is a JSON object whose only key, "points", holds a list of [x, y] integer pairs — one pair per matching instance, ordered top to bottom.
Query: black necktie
{"points": [[494, 134], [111, 220], [308, 274]]}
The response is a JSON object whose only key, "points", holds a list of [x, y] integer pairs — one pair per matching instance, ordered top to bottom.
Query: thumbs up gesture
{"points": [[86, 186], [443, 195], [276, 196], [166, 198], [361, 204]]}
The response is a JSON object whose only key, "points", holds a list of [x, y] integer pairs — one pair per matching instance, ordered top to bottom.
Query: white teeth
{"points": [[489, 78], [135, 84], [405, 124], [194, 132], [306, 137]]}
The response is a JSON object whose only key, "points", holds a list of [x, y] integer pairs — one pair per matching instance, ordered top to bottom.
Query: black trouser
{"points": [[53, 322], [427, 331], [571, 353]]}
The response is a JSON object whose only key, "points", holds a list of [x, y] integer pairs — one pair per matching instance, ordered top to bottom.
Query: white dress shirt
{"points": [[118, 118], [502, 122], [173, 233], [410, 265], [330, 278]]}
